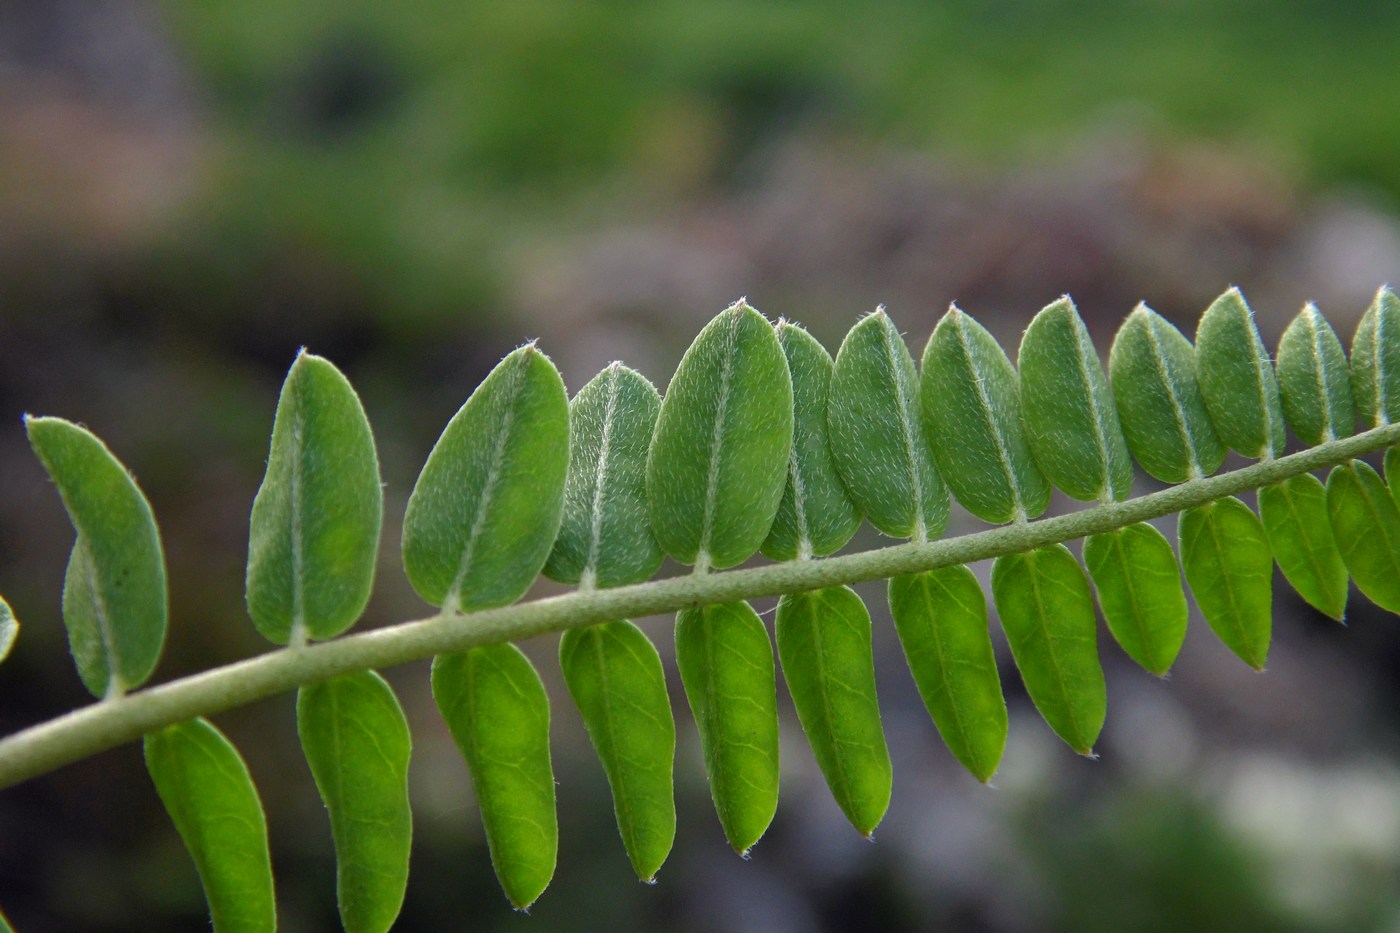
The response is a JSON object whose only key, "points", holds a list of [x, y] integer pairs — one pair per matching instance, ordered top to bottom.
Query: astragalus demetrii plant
{"points": [[762, 443]]}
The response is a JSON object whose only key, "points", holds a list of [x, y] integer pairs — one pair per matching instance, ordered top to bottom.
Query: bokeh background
{"points": [[190, 191]]}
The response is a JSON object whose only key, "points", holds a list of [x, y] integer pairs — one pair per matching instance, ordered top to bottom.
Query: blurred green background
{"points": [[189, 191]]}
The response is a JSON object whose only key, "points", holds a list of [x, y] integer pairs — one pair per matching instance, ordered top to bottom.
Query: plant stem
{"points": [[106, 724]]}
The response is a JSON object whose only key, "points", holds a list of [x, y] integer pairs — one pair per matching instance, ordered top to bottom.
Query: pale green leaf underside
{"points": [[1375, 361], [1237, 378], [1314, 379], [1366, 523], [1299, 530], [314, 532], [1225, 555], [117, 575], [1139, 588], [9, 630], [824, 643], [615, 677], [497, 711], [356, 741], [210, 797]]}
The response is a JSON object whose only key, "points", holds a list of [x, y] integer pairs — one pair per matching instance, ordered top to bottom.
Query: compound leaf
{"points": [[1375, 362], [1237, 378], [1313, 379], [972, 412], [1071, 422], [877, 433], [719, 459], [485, 511], [1294, 513], [1366, 524], [314, 532], [1229, 567], [1139, 587], [114, 604], [1047, 612], [941, 617], [825, 647], [726, 665], [615, 678], [498, 713], [356, 741], [210, 797]]}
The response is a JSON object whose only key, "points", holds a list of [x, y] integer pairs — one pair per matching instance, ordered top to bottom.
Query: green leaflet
{"points": [[1375, 362], [1152, 368], [1237, 379], [1313, 379], [972, 412], [1070, 419], [877, 433], [718, 462], [816, 515], [483, 516], [1295, 519], [1366, 524], [314, 532], [605, 538], [1230, 569], [1139, 587], [114, 600], [1047, 612], [941, 617], [9, 629], [828, 662], [726, 665], [615, 677], [498, 713], [356, 740], [210, 797], [5, 925]]}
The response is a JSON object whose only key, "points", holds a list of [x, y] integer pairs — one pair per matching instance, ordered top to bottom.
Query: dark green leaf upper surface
{"points": [[1375, 362], [1153, 372], [1237, 378], [1314, 380], [972, 412], [1071, 422], [877, 433], [719, 460], [1294, 513], [484, 514], [816, 515], [1366, 524], [314, 533], [605, 538], [1225, 554], [1139, 585], [115, 604], [1047, 612], [941, 617], [9, 629], [825, 647], [726, 665], [615, 677], [498, 713], [356, 740], [210, 797]]}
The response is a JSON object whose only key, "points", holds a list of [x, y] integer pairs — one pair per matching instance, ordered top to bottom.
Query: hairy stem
{"points": [[106, 724]]}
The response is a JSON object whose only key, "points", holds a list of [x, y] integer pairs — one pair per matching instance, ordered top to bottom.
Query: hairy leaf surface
{"points": [[1375, 362], [1153, 372], [1237, 378], [1314, 380], [972, 412], [1071, 422], [877, 433], [718, 462], [485, 511], [816, 515], [1366, 524], [1299, 530], [314, 533], [605, 537], [1230, 569], [1139, 587], [114, 603], [1047, 612], [941, 617], [9, 629], [825, 647], [726, 665], [615, 678], [498, 713], [356, 741], [210, 797]]}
